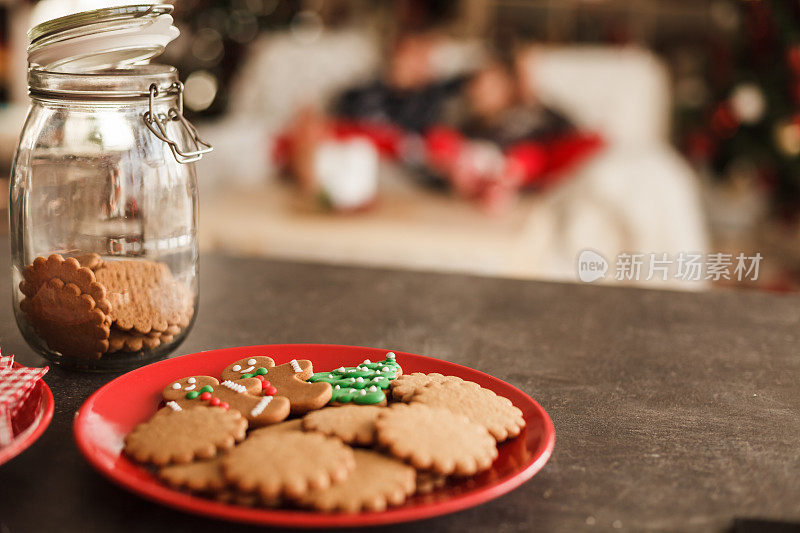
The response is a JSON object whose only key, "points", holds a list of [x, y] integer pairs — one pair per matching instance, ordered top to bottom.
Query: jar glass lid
{"points": [[102, 39]]}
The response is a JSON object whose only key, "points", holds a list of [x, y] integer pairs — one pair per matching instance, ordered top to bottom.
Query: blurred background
{"points": [[494, 137]]}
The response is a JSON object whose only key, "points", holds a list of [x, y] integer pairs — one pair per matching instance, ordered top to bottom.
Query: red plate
{"points": [[111, 412], [31, 420]]}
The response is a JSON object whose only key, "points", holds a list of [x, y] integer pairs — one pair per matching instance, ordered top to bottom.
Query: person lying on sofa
{"points": [[479, 134]]}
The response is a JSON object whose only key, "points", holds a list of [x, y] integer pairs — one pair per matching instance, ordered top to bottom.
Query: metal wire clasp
{"points": [[157, 123]]}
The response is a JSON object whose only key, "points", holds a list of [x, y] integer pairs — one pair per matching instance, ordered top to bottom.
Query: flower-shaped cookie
{"points": [[68, 319], [176, 435]]}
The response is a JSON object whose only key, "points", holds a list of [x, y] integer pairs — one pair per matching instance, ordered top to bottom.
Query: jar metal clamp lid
{"points": [[104, 54]]}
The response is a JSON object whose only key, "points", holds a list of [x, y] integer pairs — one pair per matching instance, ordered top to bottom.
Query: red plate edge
{"points": [[32, 433], [306, 519]]}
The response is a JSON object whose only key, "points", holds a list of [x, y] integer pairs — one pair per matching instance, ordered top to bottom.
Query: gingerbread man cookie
{"points": [[288, 379], [242, 396]]}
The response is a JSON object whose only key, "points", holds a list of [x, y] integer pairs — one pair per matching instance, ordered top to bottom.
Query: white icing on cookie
{"points": [[251, 361], [295, 366], [236, 368], [248, 369], [192, 380], [176, 385], [234, 386], [191, 387], [261, 405], [174, 406]]}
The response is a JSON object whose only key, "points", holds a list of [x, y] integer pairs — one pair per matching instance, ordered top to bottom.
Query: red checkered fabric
{"points": [[6, 361], [16, 385], [6, 431]]}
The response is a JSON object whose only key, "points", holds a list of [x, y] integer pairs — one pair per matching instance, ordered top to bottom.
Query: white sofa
{"points": [[638, 195]]}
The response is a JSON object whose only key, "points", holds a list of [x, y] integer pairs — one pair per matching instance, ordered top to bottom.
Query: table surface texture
{"points": [[673, 411]]}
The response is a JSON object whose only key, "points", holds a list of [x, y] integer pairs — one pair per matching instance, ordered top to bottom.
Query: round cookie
{"points": [[92, 261], [67, 270], [144, 295], [68, 319], [173, 330], [128, 341], [405, 386], [482, 406], [354, 424], [280, 427], [180, 436], [435, 439], [287, 463], [199, 476], [428, 482], [375, 483], [245, 500]]}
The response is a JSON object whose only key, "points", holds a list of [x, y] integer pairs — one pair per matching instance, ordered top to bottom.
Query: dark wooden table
{"points": [[672, 411]]}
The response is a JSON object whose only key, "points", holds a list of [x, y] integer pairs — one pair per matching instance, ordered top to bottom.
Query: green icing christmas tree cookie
{"points": [[363, 384]]}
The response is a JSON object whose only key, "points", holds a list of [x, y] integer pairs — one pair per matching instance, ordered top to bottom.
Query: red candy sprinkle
{"points": [[260, 378], [270, 390], [205, 396], [214, 401], [224, 405]]}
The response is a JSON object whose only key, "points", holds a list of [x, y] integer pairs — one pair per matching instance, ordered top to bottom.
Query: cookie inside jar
{"points": [[88, 308]]}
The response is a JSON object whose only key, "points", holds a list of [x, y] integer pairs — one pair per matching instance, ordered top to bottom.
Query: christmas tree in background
{"points": [[215, 36], [752, 122]]}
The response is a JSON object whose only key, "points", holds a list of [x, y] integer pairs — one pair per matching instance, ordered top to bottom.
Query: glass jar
{"points": [[103, 209]]}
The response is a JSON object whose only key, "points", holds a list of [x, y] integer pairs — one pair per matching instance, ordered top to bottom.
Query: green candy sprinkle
{"points": [[261, 371], [245, 376], [207, 388], [192, 395]]}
